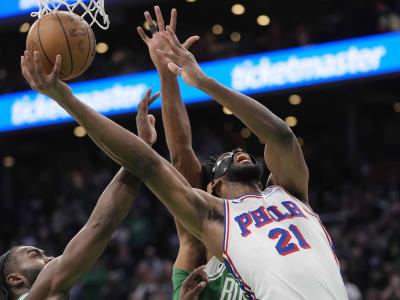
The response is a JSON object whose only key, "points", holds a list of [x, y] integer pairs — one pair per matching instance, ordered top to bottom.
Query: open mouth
{"points": [[243, 158]]}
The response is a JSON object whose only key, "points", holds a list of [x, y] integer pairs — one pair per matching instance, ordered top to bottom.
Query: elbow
{"points": [[284, 135], [179, 154], [145, 167]]}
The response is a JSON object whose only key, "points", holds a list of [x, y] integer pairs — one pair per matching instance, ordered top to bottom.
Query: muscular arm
{"points": [[178, 135], [179, 141], [283, 154], [189, 205], [111, 209], [85, 248]]}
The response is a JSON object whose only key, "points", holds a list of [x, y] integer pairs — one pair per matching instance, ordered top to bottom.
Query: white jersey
{"points": [[278, 249]]}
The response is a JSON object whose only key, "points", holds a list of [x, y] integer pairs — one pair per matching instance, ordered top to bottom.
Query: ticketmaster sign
{"points": [[271, 71]]}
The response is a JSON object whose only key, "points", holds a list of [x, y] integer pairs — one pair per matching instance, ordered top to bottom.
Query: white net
{"points": [[90, 10]]}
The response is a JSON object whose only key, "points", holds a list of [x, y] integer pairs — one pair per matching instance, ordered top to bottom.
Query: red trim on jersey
{"points": [[249, 196], [227, 225], [326, 235], [239, 277]]}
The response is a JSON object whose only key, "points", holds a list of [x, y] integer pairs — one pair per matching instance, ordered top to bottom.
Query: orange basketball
{"points": [[63, 33]]}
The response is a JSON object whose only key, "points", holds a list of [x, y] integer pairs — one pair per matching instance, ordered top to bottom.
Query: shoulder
{"points": [[272, 189], [211, 200], [43, 287]]}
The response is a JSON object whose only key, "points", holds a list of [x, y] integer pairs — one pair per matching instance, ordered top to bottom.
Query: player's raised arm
{"points": [[175, 118], [177, 131], [283, 154], [188, 205], [112, 207]]}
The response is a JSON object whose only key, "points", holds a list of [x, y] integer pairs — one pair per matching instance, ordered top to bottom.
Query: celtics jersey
{"points": [[221, 284], [23, 296]]}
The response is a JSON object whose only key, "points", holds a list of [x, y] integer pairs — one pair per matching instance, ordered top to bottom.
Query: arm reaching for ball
{"points": [[283, 155], [190, 206], [61, 273]]}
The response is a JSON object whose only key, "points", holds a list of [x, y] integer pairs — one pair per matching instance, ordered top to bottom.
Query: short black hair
{"points": [[207, 166], [8, 263]]}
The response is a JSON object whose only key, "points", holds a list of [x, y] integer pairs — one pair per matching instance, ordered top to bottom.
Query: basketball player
{"points": [[270, 240], [191, 254], [27, 273]]}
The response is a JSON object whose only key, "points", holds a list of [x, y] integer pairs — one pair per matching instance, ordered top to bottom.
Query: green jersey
{"points": [[221, 284], [23, 296]]}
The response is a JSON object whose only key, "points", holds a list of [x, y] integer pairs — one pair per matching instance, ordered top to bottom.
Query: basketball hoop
{"points": [[93, 11]]}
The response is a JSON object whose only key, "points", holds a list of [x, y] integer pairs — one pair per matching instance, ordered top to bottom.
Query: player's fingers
{"points": [[159, 17], [174, 17], [148, 18], [142, 34], [174, 38], [168, 40], [190, 41], [170, 55], [29, 64], [38, 64], [57, 67], [31, 68], [175, 68], [25, 72], [154, 98], [145, 99], [152, 120], [196, 272], [196, 290]]}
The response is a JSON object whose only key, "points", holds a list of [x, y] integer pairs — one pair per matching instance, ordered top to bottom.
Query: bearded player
{"points": [[270, 240], [192, 253], [27, 273]]}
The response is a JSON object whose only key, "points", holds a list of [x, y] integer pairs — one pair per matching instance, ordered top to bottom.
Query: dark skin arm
{"points": [[177, 132], [283, 154], [189, 205], [84, 249], [194, 284]]}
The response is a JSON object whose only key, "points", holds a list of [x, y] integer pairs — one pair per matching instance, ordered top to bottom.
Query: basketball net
{"points": [[93, 10]]}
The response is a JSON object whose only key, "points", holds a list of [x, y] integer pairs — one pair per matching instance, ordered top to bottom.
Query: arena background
{"points": [[51, 176]]}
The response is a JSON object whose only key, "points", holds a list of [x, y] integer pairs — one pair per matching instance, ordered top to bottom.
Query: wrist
{"points": [[204, 82], [62, 94]]}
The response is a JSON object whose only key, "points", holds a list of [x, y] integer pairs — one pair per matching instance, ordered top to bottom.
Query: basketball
{"points": [[63, 33]]}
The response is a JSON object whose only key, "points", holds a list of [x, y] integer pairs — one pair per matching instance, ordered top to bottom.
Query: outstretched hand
{"points": [[156, 41], [182, 62], [46, 84], [145, 123], [194, 284]]}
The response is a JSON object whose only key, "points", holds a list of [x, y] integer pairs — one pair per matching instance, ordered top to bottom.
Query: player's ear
{"points": [[212, 186], [15, 280]]}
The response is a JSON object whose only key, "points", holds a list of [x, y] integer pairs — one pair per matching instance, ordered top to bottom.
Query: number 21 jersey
{"points": [[277, 248]]}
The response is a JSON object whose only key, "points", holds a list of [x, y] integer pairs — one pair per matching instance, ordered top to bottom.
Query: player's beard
{"points": [[246, 173], [32, 274]]}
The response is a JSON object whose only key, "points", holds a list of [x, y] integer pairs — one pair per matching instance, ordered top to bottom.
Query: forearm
{"points": [[175, 118], [260, 120], [177, 130], [141, 160], [114, 204], [90, 242]]}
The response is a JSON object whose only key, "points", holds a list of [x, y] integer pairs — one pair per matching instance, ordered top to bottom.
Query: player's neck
{"points": [[230, 190], [19, 292]]}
